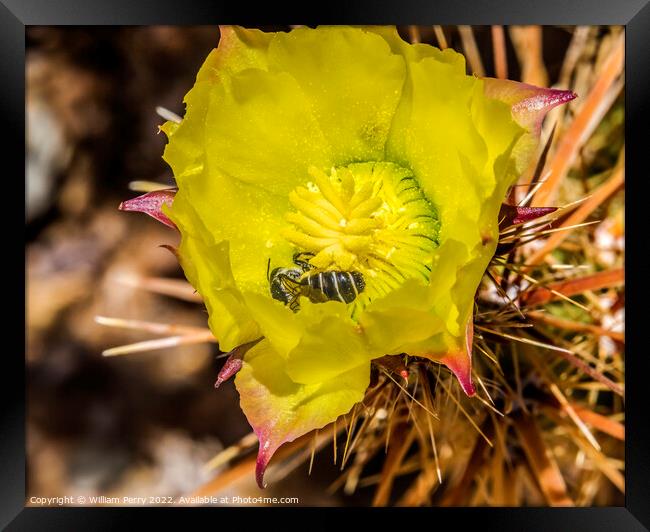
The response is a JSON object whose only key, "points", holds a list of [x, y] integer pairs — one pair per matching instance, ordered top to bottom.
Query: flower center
{"points": [[368, 217]]}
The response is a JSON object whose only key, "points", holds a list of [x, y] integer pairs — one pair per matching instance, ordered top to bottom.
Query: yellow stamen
{"points": [[372, 218]]}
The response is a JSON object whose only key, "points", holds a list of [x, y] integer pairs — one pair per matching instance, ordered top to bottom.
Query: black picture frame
{"points": [[15, 15]]}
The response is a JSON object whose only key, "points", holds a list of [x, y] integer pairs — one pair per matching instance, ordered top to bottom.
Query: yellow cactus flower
{"points": [[338, 199]]}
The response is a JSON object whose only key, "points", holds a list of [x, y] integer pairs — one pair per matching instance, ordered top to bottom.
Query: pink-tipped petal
{"points": [[529, 104], [151, 203], [526, 214], [513, 215], [233, 363], [460, 363], [461, 367], [229, 369], [280, 410], [264, 455]]}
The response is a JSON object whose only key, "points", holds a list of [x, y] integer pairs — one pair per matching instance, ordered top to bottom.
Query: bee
{"points": [[288, 284]]}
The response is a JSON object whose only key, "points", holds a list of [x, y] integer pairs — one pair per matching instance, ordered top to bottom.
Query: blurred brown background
{"points": [[141, 424]]}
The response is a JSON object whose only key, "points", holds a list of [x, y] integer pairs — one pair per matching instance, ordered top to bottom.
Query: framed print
{"points": [[372, 263]]}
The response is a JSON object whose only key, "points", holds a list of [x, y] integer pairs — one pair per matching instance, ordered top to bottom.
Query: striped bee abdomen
{"points": [[288, 284], [334, 286]]}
